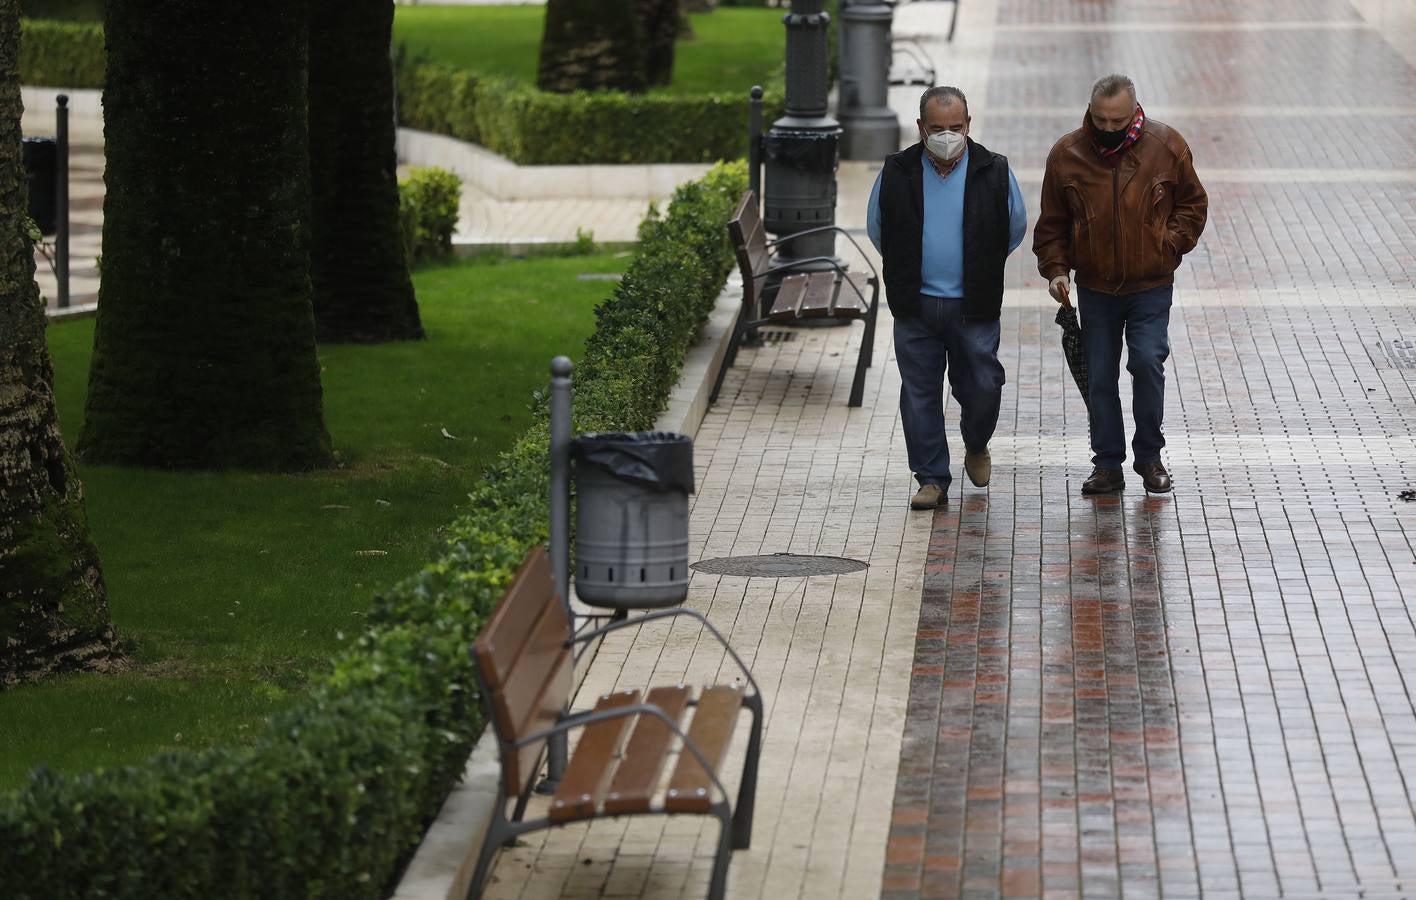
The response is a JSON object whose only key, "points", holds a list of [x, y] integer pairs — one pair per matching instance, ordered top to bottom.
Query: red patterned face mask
{"points": [[1128, 137]]}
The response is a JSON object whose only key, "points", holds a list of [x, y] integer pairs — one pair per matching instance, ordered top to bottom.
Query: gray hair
{"points": [[1111, 85], [945, 95]]}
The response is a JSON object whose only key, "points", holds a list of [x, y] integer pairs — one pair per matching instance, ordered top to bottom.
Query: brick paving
{"points": [[1205, 693]]}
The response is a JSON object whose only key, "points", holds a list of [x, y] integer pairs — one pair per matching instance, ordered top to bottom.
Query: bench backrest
{"points": [[750, 241], [524, 661]]}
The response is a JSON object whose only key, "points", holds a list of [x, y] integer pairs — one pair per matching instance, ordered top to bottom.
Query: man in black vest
{"points": [[944, 214]]}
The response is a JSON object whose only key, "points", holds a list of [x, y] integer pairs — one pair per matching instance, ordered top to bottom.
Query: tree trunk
{"points": [[660, 20], [592, 45], [362, 292], [204, 352], [53, 605]]}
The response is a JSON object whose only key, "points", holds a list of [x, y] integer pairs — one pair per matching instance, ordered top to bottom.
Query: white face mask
{"points": [[946, 145]]}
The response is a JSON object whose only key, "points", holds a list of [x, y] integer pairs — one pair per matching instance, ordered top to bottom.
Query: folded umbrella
{"points": [[1072, 348]]}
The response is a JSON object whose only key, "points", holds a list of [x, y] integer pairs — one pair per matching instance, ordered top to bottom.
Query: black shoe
{"points": [[1154, 475], [1104, 481]]}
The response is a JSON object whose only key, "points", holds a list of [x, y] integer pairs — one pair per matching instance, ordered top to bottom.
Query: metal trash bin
{"points": [[40, 156], [631, 518]]}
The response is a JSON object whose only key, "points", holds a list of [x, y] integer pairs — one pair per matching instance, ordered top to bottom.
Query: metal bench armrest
{"points": [[836, 228], [666, 613], [582, 720]]}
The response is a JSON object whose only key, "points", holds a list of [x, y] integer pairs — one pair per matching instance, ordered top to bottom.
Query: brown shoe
{"points": [[979, 467], [1154, 475], [1104, 481], [928, 496]]}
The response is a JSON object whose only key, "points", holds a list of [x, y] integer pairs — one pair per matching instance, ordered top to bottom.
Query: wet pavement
{"points": [[1206, 693]]}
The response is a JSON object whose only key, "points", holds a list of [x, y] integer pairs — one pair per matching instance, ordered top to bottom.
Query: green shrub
{"points": [[61, 54], [534, 127], [428, 200], [336, 792]]}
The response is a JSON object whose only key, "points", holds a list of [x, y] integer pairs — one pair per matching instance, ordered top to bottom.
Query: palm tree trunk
{"points": [[660, 19], [592, 45], [362, 292], [204, 353], [53, 605]]}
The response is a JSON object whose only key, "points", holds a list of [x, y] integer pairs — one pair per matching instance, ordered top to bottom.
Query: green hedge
{"points": [[61, 54], [534, 127], [428, 201], [336, 792]]}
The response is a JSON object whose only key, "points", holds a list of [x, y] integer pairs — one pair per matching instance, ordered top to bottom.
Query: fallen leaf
{"points": [[446, 435], [371, 553]]}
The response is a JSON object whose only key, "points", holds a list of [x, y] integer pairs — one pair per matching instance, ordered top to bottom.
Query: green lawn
{"points": [[731, 46], [231, 589]]}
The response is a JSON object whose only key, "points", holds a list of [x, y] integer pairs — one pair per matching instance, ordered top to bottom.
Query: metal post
{"points": [[871, 129], [754, 142], [802, 147], [61, 198], [561, 366]]}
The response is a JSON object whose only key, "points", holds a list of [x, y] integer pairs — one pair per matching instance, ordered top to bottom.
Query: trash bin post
{"points": [[754, 142], [61, 194], [560, 480], [557, 751]]}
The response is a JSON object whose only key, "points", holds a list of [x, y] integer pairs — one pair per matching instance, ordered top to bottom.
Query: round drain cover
{"points": [[779, 565]]}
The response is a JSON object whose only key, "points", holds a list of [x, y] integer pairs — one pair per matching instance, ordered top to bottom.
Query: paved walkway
{"points": [[1035, 694]]}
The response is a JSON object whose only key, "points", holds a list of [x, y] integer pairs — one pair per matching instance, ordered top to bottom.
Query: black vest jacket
{"points": [[985, 231]]}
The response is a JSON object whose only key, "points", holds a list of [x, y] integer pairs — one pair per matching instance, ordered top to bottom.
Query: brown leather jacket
{"points": [[1123, 224]]}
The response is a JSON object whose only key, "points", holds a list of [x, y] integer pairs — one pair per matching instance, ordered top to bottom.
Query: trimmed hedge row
{"points": [[61, 54], [511, 118], [534, 127], [337, 791]]}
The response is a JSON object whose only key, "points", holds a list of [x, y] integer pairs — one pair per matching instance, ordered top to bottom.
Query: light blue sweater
{"points": [[942, 272]]}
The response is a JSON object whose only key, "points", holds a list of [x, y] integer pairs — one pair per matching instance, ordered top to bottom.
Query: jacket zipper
{"points": [[1116, 224]]}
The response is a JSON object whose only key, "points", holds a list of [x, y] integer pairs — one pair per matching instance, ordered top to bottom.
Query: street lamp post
{"points": [[872, 132], [802, 148]]}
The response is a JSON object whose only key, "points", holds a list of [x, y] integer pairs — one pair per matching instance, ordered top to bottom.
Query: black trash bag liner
{"points": [[802, 149], [40, 157], [661, 460]]}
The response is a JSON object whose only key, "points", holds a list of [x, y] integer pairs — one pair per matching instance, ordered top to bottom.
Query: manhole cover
{"points": [[779, 565]]}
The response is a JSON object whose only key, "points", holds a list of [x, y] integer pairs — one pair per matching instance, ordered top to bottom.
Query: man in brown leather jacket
{"points": [[1121, 204]]}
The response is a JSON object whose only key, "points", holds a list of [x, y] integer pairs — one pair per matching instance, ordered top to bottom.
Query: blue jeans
{"points": [[1144, 319], [927, 347]]}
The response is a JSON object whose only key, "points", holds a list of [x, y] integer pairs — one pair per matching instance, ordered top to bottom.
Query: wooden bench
{"points": [[831, 293], [523, 659]]}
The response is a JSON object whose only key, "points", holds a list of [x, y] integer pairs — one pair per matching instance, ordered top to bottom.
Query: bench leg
{"points": [[870, 327], [858, 382], [747, 791], [497, 834], [718, 887]]}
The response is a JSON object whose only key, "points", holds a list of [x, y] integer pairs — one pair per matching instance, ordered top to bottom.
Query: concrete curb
{"points": [[502, 179], [444, 863]]}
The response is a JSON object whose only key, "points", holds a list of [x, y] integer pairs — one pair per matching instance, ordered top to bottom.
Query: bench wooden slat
{"points": [[758, 256], [820, 286], [787, 304], [849, 304], [505, 634], [525, 664], [520, 700], [522, 766], [588, 773], [633, 786], [691, 788]]}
